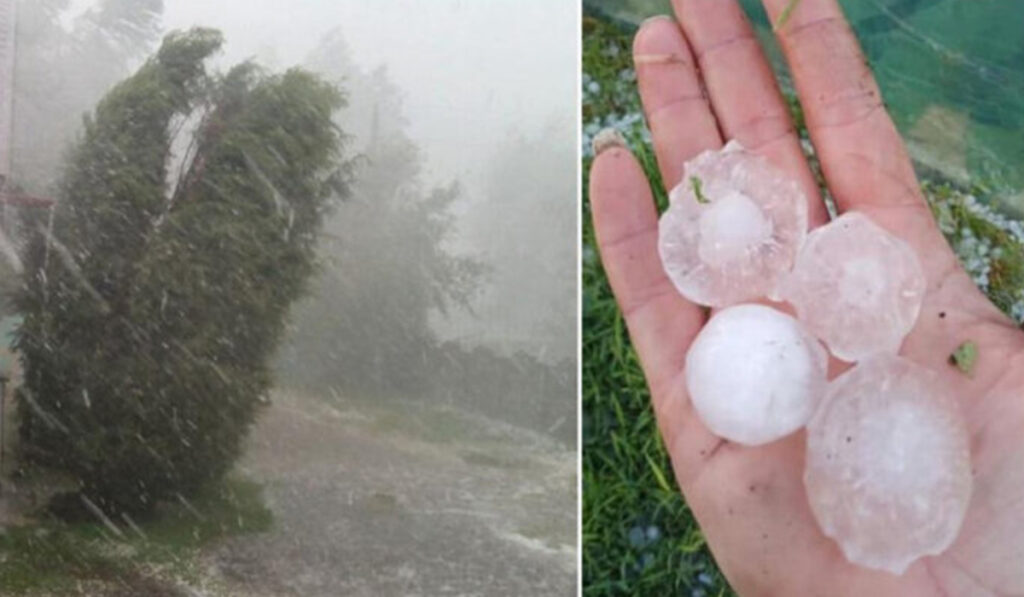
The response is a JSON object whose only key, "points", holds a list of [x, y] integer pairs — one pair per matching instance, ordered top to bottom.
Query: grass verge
{"points": [[142, 556]]}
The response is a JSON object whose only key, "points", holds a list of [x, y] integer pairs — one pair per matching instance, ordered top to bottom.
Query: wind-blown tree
{"points": [[395, 278], [150, 316], [366, 328]]}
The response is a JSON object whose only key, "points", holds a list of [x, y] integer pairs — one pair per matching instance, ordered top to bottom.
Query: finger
{"points": [[744, 95], [842, 103], [678, 114], [865, 163], [661, 322], [753, 510]]}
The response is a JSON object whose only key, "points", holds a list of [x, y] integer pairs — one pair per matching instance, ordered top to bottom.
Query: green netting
{"points": [[951, 71]]}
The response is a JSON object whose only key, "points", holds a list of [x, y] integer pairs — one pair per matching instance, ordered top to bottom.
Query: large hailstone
{"points": [[732, 229], [856, 287], [755, 374], [888, 464]]}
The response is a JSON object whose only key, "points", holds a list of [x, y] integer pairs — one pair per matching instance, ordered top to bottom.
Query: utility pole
{"points": [[8, 29], [8, 53], [9, 197]]}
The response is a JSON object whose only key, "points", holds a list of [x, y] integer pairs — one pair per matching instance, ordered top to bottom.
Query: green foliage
{"points": [[786, 13], [698, 189], [988, 244], [149, 317], [366, 327], [964, 357], [487, 381], [56, 556]]}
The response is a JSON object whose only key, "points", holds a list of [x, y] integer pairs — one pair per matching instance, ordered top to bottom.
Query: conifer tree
{"points": [[150, 313]]}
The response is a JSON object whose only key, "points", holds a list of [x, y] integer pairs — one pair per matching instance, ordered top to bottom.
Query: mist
{"points": [[471, 71], [474, 77], [410, 362]]}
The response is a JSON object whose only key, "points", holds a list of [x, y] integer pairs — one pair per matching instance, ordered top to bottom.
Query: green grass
{"points": [[786, 13], [989, 245], [639, 537], [54, 556]]}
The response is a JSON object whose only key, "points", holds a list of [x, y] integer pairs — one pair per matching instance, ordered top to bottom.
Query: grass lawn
{"points": [[639, 537], [53, 557]]}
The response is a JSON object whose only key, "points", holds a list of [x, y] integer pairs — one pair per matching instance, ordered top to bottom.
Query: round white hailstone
{"points": [[733, 228], [856, 287], [755, 374], [888, 464]]}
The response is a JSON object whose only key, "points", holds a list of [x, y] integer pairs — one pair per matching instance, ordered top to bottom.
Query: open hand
{"points": [[703, 79]]}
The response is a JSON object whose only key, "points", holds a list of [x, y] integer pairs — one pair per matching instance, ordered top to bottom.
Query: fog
{"points": [[470, 70], [472, 74], [474, 84], [353, 316]]}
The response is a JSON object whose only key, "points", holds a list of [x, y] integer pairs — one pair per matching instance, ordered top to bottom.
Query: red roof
{"points": [[22, 200]]}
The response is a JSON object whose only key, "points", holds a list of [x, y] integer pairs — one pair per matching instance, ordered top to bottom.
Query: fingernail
{"points": [[655, 19], [645, 57], [639, 59], [606, 139]]}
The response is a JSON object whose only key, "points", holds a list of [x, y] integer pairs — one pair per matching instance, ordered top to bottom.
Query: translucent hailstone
{"points": [[733, 228], [856, 287], [755, 374], [888, 464]]}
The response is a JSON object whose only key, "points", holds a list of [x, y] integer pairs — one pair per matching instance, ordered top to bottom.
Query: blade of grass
{"points": [[786, 13]]}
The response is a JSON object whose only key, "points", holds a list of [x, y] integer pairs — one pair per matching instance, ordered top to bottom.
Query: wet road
{"points": [[404, 501]]}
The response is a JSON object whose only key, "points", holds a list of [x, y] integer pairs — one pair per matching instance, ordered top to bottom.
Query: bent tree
{"points": [[158, 291]]}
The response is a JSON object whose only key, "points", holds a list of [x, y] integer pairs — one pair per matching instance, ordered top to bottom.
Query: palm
{"points": [[751, 502]]}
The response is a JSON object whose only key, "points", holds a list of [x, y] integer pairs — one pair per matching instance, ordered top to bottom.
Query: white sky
{"points": [[470, 69]]}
